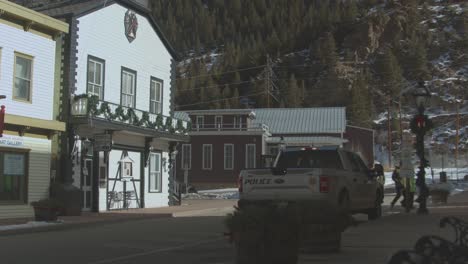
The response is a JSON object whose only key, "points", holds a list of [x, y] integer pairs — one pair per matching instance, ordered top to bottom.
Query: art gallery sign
{"points": [[11, 141]]}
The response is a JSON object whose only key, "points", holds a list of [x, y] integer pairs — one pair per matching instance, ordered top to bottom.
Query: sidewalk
{"points": [[189, 208], [376, 241]]}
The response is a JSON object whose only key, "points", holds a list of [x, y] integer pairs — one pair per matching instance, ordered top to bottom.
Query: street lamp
{"points": [[419, 126]]}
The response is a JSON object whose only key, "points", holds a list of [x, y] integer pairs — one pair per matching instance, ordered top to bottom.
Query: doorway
{"points": [[87, 184]]}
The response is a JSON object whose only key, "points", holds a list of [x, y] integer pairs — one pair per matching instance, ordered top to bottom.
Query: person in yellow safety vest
{"points": [[399, 187], [409, 197]]}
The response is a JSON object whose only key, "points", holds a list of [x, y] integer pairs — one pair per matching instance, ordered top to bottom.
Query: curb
{"points": [[69, 226]]}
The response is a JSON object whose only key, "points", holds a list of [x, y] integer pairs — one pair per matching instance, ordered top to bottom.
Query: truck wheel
{"points": [[376, 212]]}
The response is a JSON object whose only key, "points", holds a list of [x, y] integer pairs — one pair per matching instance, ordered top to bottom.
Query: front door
{"points": [[87, 184]]}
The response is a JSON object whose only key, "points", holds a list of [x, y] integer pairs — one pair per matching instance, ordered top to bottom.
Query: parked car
{"points": [[327, 178]]}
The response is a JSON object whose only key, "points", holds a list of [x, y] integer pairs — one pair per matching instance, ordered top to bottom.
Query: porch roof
{"points": [[314, 141]]}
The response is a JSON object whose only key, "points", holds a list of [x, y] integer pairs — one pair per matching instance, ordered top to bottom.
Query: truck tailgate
{"points": [[297, 184]]}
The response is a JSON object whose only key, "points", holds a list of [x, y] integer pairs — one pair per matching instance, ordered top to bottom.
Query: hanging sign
{"points": [[11, 141], [103, 142]]}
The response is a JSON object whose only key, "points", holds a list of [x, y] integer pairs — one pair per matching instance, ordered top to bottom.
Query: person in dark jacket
{"points": [[399, 187]]}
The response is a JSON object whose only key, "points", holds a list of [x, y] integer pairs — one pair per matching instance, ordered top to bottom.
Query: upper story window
{"points": [[23, 77], [96, 77], [128, 88], [156, 96], [200, 121], [219, 121], [237, 122]]}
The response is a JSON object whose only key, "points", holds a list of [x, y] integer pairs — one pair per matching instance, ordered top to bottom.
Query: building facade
{"points": [[29, 66], [118, 81], [222, 143], [221, 146]]}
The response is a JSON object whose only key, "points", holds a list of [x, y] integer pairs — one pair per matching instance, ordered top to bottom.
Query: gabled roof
{"points": [[84, 7], [302, 120], [308, 141]]}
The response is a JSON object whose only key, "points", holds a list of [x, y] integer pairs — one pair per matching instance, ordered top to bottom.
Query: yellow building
{"points": [[30, 59]]}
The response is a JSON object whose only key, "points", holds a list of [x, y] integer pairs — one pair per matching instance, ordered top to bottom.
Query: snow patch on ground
{"points": [[231, 193], [32, 224]]}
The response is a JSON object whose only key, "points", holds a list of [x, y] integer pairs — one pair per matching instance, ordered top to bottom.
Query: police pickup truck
{"points": [[326, 178]]}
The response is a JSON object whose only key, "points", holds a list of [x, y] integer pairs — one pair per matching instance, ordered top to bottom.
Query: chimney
{"points": [[144, 3]]}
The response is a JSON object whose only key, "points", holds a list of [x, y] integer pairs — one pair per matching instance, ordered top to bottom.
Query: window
{"points": [[23, 77], [96, 77], [128, 88], [156, 96], [200, 121], [218, 121], [237, 122], [186, 156], [207, 156], [228, 156], [250, 156], [127, 169], [13, 176], [155, 176]]}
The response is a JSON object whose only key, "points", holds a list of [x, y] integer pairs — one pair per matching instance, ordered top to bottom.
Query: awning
{"points": [[23, 124], [308, 141]]}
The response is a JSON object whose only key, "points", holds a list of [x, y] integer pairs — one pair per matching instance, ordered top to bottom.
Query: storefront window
{"points": [[13, 176]]}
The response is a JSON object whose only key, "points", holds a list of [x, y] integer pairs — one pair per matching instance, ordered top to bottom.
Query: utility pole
{"points": [[268, 80], [400, 121], [457, 137], [389, 147]]}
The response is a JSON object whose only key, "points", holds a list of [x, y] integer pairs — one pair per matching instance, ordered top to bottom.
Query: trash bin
{"points": [[443, 176], [69, 195]]}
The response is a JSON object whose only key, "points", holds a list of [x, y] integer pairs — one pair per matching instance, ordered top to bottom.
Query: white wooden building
{"points": [[119, 75], [28, 78]]}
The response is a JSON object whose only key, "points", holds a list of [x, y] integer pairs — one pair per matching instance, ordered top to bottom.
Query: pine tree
{"points": [[327, 51], [417, 64], [390, 72], [292, 93], [234, 102], [360, 111]]}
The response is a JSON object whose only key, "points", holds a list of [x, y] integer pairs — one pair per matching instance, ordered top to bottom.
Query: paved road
{"points": [[169, 240], [199, 240]]}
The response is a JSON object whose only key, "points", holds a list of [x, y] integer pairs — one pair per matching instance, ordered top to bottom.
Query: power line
{"points": [[222, 73], [218, 85], [219, 100]]}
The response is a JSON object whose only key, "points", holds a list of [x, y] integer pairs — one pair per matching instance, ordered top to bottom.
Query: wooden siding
{"points": [[102, 34], [42, 88], [361, 140], [218, 176], [38, 178]]}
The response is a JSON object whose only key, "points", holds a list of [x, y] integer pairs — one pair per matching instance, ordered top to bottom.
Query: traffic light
{"points": [[420, 124]]}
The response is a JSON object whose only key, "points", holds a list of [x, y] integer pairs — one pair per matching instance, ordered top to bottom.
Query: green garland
{"points": [[121, 115]]}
